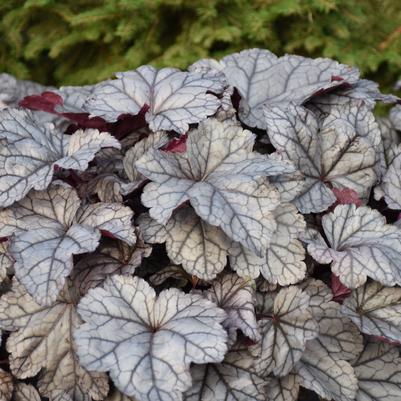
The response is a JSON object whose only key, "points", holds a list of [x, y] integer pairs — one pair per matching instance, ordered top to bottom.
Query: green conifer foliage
{"points": [[84, 41]]}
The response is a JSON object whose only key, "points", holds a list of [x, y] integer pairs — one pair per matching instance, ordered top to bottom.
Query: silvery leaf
{"points": [[262, 78], [175, 99], [339, 150], [29, 151], [221, 177], [49, 228], [376, 310], [41, 342], [147, 342], [378, 370]]}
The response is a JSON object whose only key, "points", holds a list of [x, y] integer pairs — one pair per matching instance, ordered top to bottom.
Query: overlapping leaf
{"points": [[262, 78], [363, 89], [12, 90], [175, 99], [155, 141], [29, 151], [338, 151], [221, 177], [391, 181], [224, 200], [49, 227], [361, 245], [198, 246], [110, 258], [6, 261], [283, 262], [237, 297], [376, 310], [286, 325], [338, 336], [42, 343], [147, 343], [378, 370], [328, 377], [234, 379], [6, 385], [283, 388], [25, 392], [118, 396]]}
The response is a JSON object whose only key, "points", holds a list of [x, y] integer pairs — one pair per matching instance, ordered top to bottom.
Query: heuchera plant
{"points": [[226, 233]]}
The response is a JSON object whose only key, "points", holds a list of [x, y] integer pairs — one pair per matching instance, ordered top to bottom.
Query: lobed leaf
{"points": [[174, 99], [148, 343]]}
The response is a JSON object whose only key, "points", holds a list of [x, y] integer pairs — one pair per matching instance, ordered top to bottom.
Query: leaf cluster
{"points": [[229, 232]]}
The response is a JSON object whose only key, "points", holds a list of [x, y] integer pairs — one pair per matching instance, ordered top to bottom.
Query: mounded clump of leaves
{"points": [[225, 233]]}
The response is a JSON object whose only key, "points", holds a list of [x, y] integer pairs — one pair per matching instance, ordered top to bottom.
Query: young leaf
{"points": [[262, 78], [175, 98], [31, 151], [338, 151], [221, 177], [49, 228], [361, 245], [198, 246], [283, 262], [237, 297], [376, 310], [286, 327], [42, 342], [148, 343], [378, 370], [234, 379]]}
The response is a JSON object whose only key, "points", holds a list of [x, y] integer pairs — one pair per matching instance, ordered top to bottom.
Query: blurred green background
{"points": [[85, 41]]}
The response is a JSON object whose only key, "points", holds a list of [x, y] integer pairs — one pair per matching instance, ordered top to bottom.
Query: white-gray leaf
{"points": [[262, 78], [13, 90], [175, 98], [155, 141], [339, 150], [29, 151], [222, 178], [49, 229], [362, 244], [198, 246], [120, 258], [283, 262], [237, 297], [376, 310], [286, 327], [337, 334], [147, 342], [42, 343], [378, 370], [330, 378], [232, 380], [283, 388], [25, 392]]}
